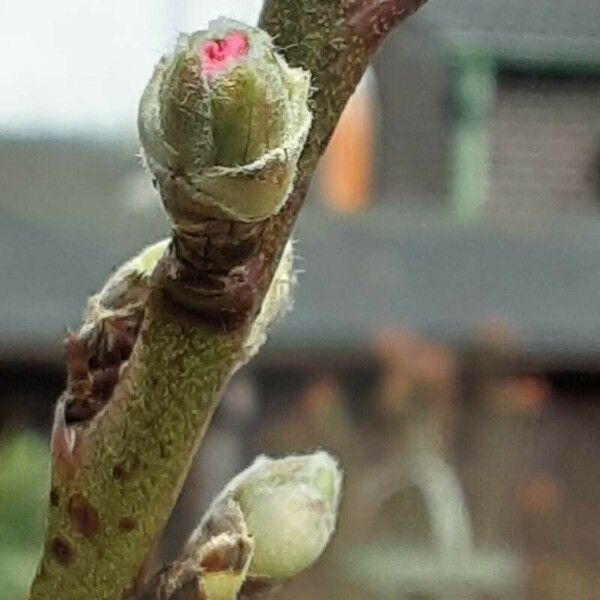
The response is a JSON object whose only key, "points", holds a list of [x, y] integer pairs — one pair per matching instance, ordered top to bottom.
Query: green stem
{"points": [[333, 40], [116, 476], [114, 483]]}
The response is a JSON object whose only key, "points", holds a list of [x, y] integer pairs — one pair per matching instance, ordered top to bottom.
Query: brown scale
{"points": [[93, 367]]}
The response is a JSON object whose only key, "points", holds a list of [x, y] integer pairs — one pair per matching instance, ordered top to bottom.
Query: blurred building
{"points": [[484, 197], [472, 219]]}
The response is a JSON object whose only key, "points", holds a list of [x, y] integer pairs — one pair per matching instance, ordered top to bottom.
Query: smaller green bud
{"points": [[225, 118], [289, 507]]}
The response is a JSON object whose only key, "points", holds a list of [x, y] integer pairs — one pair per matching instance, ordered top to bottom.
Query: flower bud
{"points": [[224, 120], [290, 509]]}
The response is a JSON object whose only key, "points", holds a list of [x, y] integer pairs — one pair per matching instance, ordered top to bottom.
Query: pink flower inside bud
{"points": [[217, 55]]}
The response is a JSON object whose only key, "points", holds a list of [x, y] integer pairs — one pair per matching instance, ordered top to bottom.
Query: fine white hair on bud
{"points": [[222, 123], [126, 289], [278, 301], [289, 507]]}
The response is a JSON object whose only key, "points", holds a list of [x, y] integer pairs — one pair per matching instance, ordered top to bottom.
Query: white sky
{"points": [[77, 67]]}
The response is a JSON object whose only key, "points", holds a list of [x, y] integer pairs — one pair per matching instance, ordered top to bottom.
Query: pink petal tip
{"points": [[217, 55]]}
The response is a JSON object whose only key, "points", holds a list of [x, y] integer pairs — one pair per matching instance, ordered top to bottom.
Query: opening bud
{"points": [[223, 122]]}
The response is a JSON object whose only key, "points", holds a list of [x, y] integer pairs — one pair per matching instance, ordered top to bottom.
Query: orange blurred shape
{"points": [[347, 164], [532, 393], [321, 395], [541, 495]]}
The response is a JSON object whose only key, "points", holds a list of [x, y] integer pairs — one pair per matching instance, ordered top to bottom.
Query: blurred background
{"points": [[445, 342]]}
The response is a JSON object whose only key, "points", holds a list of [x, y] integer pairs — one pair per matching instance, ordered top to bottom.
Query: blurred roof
{"points": [[540, 28], [72, 210], [386, 267], [391, 267]]}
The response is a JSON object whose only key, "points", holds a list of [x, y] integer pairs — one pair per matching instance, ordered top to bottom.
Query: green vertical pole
{"points": [[473, 88]]}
